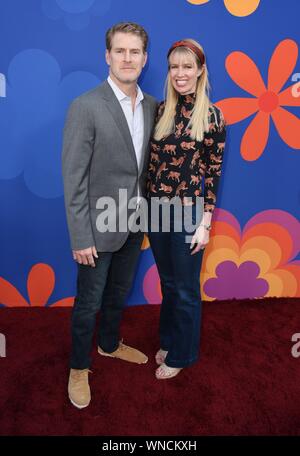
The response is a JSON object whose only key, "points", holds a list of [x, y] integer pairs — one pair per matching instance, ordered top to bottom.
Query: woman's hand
{"points": [[200, 239]]}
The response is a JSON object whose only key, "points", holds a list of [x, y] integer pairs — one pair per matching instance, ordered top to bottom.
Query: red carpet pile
{"points": [[246, 383]]}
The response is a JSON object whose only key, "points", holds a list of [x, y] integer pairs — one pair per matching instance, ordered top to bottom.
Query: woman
{"points": [[186, 154]]}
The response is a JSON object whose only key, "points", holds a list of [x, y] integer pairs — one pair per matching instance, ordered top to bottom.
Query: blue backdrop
{"points": [[53, 50]]}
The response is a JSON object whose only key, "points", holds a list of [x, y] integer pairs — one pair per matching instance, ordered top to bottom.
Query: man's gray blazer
{"points": [[98, 159]]}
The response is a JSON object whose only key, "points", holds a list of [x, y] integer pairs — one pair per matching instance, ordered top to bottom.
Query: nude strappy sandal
{"points": [[164, 372]]}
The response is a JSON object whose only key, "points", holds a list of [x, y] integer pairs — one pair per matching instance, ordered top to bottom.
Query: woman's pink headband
{"points": [[189, 45]]}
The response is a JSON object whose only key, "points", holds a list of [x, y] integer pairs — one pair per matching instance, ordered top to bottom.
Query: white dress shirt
{"points": [[135, 119]]}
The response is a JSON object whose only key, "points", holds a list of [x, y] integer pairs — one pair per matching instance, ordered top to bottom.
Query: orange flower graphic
{"points": [[235, 7], [268, 100], [258, 260], [40, 285]]}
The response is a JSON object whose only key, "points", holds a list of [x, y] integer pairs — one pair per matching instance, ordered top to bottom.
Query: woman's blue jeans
{"points": [[179, 271]]}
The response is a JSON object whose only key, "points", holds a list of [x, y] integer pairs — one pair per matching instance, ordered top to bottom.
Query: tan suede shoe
{"points": [[126, 354], [78, 388]]}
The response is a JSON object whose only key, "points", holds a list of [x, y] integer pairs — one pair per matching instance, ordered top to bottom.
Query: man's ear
{"points": [[107, 56], [145, 58]]}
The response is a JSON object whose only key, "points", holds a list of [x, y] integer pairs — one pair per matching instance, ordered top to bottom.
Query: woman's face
{"points": [[184, 72]]}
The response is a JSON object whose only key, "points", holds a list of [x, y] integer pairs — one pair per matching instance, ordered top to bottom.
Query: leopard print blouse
{"points": [[181, 166]]}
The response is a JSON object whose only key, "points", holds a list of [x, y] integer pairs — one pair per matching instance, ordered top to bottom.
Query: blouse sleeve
{"points": [[160, 110], [214, 143]]}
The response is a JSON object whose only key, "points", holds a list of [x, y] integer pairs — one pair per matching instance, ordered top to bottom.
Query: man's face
{"points": [[126, 57]]}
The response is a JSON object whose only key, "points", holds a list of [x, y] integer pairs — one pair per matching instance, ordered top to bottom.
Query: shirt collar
{"points": [[121, 95]]}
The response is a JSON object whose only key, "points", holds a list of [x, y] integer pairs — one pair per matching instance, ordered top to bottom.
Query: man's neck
{"points": [[129, 89]]}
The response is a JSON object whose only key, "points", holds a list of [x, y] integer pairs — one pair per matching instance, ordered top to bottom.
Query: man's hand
{"points": [[86, 256]]}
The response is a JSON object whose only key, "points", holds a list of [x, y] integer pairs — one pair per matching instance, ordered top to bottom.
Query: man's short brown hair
{"points": [[127, 27]]}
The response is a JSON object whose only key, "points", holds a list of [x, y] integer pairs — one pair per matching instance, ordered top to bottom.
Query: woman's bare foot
{"points": [[160, 356], [163, 372]]}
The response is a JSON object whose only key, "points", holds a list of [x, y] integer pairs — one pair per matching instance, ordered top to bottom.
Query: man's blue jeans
{"points": [[106, 286], [180, 315]]}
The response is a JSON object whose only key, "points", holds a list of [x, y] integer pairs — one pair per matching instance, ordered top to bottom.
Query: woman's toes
{"points": [[164, 372]]}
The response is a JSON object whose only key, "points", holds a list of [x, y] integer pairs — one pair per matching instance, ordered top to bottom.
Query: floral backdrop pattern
{"points": [[54, 51]]}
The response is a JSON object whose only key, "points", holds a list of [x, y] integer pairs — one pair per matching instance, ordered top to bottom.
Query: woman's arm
{"points": [[214, 143]]}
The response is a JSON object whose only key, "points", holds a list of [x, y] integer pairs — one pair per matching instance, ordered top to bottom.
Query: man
{"points": [[106, 149]]}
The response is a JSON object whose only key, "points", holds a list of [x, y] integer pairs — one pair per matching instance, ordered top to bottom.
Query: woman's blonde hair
{"points": [[198, 122]]}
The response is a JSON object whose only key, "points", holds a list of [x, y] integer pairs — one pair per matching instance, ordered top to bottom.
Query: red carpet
{"points": [[246, 383]]}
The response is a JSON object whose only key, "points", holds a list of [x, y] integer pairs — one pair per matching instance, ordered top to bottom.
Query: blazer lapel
{"points": [[116, 111], [146, 111]]}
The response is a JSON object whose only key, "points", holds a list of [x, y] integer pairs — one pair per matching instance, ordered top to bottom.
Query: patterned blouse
{"points": [[178, 164]]}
